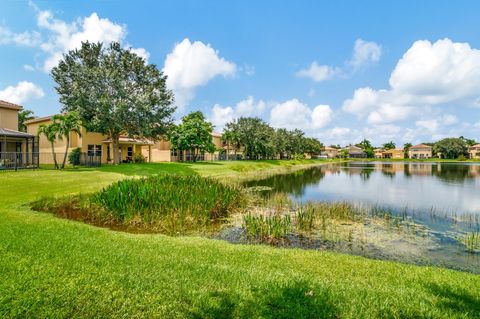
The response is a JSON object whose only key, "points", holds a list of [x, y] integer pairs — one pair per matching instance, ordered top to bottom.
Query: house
{"points": [[16, 148], [99, 148], [420, 151], [474, 151], [330, 152], [355, 152], [378, 152], [394, 153]]}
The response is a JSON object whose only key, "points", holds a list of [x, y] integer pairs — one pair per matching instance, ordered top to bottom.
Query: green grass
{"points": [[51, 267]]}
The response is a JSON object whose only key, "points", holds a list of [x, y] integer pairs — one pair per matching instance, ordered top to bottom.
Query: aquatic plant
{"points": [[166, 203], [305, 217], [270, 229], [471, 242]]}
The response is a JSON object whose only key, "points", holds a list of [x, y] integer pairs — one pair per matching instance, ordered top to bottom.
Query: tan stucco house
{"points": [[99, 147], [16, 148], [420, 151], [474, 151], [330, 152], [355, 152], [394, 153]]}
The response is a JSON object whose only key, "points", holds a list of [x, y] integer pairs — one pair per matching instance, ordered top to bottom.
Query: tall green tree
{"points": [[115, 92], [23, 116], [67, 124], [51, 132], [193, 134], [233, 136], [256, 137], [468, 141], [388, 146], [367, 147], [451, 147], [406, 148]]}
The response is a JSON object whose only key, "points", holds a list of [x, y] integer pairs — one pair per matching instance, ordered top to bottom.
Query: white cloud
{"points": [[24, 39], [141, 52], [365, 52], [191, 65], [28, 68], [249, 69], [318, 72], [428, 74], [22, 92], [249, 107], [294, 114], [433, 125]]}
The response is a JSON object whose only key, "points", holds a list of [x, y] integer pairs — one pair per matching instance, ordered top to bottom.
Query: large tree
{"points": [[115, 92], [194, 134], [257, 137], [388, 146], [367, 147], [451, 147]]}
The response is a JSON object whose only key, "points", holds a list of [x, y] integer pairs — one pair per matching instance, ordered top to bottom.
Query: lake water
{"points": [[444, 197]]}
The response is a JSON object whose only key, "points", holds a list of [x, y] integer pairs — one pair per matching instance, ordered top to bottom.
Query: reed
{"points": [[171, 204], [305, 217], [271, 229], [471, 242]]}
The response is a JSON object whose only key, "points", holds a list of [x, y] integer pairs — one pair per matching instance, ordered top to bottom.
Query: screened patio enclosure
{"points": [[17, 150]]}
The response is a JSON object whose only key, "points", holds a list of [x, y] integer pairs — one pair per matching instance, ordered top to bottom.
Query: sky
{"points": [[341, 71]]}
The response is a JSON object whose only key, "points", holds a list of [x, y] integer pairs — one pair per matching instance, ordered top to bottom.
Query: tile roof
{"points": [[9, 105]]}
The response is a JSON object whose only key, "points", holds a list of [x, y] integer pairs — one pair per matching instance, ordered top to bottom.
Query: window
{"points": [[94, 150], [129, 151], [173, 152]]}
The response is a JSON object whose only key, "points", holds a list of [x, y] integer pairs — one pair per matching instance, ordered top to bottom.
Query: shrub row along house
{"points": [[98, 147]]}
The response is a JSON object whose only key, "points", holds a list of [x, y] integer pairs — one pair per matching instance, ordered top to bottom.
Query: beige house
{"points": [[16, 148], [99, 148], [420, 151], [474, 151], [330, 152], [355, 152], [378, 152], [394, 153]]}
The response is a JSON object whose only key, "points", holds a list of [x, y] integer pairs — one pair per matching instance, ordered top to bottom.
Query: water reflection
{"points": [[452, 187]]}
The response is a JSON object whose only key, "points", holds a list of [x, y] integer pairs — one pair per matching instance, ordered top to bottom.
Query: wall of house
{"points": [[9, 119], [420, 153]]}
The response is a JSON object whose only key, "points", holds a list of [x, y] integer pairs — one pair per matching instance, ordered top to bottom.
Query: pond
{"points": [[444, 198]]}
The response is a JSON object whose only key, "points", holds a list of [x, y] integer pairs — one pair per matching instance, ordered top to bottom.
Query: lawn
{"points": [[51, 267]]}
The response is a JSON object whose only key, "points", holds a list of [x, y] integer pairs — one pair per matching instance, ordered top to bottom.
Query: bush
{"points": [[74, 156], [138, 158], [462, 158]]}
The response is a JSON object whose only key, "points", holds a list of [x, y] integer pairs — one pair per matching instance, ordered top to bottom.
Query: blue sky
{"points": [[407, 71]]}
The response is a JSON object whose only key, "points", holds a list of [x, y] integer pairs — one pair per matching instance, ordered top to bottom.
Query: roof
{"points": [[8, 105], [39, 119], [11, 133], [215, 134], [130, 140], [421, 146], [475, 146], [329, 148], [395, 150]]}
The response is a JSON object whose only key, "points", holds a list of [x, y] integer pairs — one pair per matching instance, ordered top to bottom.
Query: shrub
{"points": [[74, 156], [138, 158], [462, 158]]}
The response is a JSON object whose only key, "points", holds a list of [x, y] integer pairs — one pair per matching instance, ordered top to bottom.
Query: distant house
{"points": [[16, 148], [420, 151], [474, 151], [330, 152], [355, 152], [378, 152], [395, 153]]}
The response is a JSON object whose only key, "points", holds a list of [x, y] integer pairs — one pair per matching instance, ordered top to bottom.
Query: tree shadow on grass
{"points": [[291, 300], [459, 300]]}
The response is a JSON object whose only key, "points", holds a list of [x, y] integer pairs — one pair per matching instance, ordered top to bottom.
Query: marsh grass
{"points": [[170, 204], [270, 229], [471, 242]]}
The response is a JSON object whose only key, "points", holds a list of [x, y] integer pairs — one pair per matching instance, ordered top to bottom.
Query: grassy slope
{"points": [[51, 267]]}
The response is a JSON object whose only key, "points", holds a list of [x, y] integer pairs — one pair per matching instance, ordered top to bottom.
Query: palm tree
{"points": [[24, 116], [67, 124], [51, 132]]}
